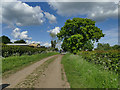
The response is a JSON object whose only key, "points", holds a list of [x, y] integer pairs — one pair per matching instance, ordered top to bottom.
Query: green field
{"points": [[12, 64], [83, 74]]}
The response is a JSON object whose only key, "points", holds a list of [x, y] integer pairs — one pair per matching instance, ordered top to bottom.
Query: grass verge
{"points": [[15, 63], [82, 74], [31, 80]]}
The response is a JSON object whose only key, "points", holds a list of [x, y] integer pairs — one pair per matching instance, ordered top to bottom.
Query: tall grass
{"points": [[17, 62], [83, 74]]}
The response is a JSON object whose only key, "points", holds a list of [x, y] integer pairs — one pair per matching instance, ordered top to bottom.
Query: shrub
{"points": [[19, 50], [109, 59]]}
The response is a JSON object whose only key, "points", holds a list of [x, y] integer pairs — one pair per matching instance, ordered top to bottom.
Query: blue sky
{"points": [[53, 15]]}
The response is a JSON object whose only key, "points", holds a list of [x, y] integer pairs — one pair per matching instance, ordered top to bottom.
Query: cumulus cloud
{"points": [[98, 11], [21, 14], [50, 17], [54, 31], [20, 35], [46, 44]]}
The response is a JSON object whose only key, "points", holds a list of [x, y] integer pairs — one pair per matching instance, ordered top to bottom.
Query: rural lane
{"points": [[19, 76], [50, 78]]}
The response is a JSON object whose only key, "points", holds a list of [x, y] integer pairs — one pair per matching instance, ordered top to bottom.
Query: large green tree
{"points": [[77, 32], [4, 39], [88, 46]]}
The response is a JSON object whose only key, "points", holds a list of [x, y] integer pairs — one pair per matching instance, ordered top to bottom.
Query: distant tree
{"points": [[77, 32], [5, 39], [20, 41], [53, 43], [100, 46], [104, 46], [116, 47]]}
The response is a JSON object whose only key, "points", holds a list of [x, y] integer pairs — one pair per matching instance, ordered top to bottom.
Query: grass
{"points": [[15, 63], [83, 74], [32, 79]]}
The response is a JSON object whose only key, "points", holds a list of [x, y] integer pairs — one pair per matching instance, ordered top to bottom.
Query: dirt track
{"points": [[19, 76], [51, 78]]}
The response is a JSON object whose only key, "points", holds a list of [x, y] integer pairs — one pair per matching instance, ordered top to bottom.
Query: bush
{"points": [[19, 50], [109, 59]]}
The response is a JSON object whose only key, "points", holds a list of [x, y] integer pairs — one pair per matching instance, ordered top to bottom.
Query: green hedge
{"points": [[19, 50], [109, 59]]}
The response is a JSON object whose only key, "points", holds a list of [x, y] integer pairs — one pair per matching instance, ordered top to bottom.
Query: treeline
{"points": [[5, 40], [106, 46], [13, 50]]}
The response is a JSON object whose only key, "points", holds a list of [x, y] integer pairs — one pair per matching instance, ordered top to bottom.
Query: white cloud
{"points": [[98, 11], [21, 14], [50, 17], [54, 31], [20, 35], [13, 40], [30, 42], [46, 44]]}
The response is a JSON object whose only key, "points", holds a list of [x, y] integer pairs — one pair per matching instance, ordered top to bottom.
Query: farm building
{"points": [[34, 45]]}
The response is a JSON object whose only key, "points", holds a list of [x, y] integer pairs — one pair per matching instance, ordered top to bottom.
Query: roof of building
{"points": [[35, 45]]}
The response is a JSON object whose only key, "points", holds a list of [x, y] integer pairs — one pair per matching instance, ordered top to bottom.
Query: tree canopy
{"points": [[77, 32], [4, 39], [20, 41], [106, 46]]}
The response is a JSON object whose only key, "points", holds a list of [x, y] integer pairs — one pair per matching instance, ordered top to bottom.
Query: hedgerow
{"points": [[19, 50], [109, 59]]}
